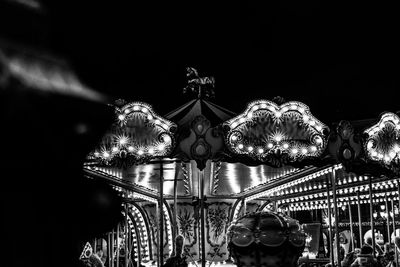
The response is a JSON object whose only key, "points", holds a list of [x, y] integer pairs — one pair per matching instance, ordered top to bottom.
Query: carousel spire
{"points": [[203, 87]]}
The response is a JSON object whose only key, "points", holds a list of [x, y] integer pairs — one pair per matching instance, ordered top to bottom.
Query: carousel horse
{"points": [[265, 239]]}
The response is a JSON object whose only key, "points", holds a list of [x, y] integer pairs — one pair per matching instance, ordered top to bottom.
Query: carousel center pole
{"points": [[328, 199], [335, 210], [371, 211], [359, 219], [203, 241]]}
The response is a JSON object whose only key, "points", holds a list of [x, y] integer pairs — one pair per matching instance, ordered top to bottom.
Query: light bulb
{"points": [[121, 117]]}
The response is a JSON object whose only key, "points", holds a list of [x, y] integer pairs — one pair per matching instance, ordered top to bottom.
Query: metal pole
{"points": [[328, 199], [335, 210], [371, 211], [161, 215], [387, 217], [359, 219], [351, 227], [176, 229], [394, 234], [126, 235], [203, 241], [112, 248], [109, 249], [117, 265]]}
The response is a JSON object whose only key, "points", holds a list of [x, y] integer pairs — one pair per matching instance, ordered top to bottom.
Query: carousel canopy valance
{"points": [[276, 134], [138, 135], [382, 143]]}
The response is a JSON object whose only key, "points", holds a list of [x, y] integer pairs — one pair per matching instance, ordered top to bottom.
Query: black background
{"points": [[340, 58]]}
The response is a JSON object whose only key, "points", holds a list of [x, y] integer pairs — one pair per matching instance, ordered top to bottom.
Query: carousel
{"points": [[271, 186]]}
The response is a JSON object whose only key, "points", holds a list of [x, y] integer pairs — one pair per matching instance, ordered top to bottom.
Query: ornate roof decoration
{"points": [[276, 134], [138, 135], [382, 144]]}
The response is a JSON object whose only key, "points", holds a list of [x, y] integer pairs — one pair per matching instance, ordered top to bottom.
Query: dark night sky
{"points": [[339, 58]]}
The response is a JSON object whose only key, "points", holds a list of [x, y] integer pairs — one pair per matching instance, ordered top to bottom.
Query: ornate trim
{"points": [[277, 134]]}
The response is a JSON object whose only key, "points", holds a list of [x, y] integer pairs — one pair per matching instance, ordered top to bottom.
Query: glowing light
{"points": [[294, 107], [136, 108], [254, 108], [301, 109], [145, 110], [126, 111], [278, 114], [250, 115], [121, 117], [149, 117], [306, 118], [241, 120], [157, 121], [312, 123], [233, 125], [319, 128], [234, 137], [278, 138], [167, 139], [318, 139], [123, 140], [370, 144], [270, 145], [240, 146], [285, 146], [161, 147], [130, 148], [250, 148], [313, 148], [396, 148], [114, 149], [151, 150], [260, 150], [304, 150], [294, 151], [140, 152], [374, 153], [96, 154], [106, 154], [392, 154], [387, 158]]}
